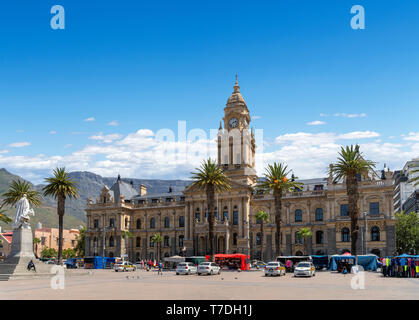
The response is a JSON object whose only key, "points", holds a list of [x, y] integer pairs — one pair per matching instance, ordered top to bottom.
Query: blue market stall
{"points": [[320, 262], [338, 262], [368, 262]]}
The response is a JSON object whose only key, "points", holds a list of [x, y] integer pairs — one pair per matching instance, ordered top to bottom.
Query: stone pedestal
{"points": [[16, 264]]}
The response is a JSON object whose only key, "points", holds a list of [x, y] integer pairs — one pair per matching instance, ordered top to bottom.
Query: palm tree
{"points": [[350, 165], [211, 179], [416, 179], [275, 180], [61, 187], [17, 190], [263, 217], [4, 218], [304, 233], [126, 235], [157, 238], [36, 241], [81, 242]]}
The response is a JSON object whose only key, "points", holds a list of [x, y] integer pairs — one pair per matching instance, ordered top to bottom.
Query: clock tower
{"points": [[236, 142]]}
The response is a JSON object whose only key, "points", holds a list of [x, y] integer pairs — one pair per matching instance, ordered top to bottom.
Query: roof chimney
{"points": [[143, 190]]}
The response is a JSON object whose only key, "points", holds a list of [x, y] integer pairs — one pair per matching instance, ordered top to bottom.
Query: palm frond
{"points": [[210, 174], [276, 178], [60, 185], [17, 190]]}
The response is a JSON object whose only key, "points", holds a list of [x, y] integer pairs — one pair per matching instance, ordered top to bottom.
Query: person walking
{"points": [[160, 265]]}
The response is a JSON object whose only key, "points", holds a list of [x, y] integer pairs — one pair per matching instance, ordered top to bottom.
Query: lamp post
{"points": [[364, 234]]}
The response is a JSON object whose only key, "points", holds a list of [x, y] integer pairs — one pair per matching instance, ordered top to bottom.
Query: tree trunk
{"points": [[353, 196], [60, 211], [278, 211], [211, 219], [261, 240]]}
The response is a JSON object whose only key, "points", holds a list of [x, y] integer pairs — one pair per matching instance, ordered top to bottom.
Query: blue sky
{"points": [[143, 67]]}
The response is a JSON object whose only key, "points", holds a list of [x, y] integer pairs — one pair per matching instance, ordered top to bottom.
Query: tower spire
{"points": [[236, 86]]}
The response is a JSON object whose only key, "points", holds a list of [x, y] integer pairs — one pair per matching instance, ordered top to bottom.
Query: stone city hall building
{"points": [[180, 217]]}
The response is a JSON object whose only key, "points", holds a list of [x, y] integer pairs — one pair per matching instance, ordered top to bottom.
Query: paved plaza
{"points": [[110, 285]]}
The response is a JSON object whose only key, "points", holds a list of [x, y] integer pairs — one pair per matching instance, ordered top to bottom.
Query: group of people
{"points": [[231, 264], [147, 265], [345, 265], [402, 267]]}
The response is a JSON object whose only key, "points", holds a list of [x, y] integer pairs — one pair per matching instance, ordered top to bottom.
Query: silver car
{"points": [[186, 268], [209, 268], [274, 268], [305, 269]]}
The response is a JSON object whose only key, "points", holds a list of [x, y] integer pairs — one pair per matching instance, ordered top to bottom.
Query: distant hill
{"points": [[89, 185]]}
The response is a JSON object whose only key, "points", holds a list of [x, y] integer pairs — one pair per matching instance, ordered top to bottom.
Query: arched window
{"points": [[216, 213], [225, 213], [319, 214], [298, 215], [235, 217], [181, 221], [112, 222], [167, 222], [138, 223], [152, 223], [375, 234], [345, 235], [319, 237], [234, 239], [258, 239], [298, 239], [166, 241], [181, 241], [111, 242], [138, 242], [151, 242]]}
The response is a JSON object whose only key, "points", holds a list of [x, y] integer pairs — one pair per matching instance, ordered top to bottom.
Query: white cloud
{"points": [[351, 115], [256, 117], [91, 119], [113, 123], [316, 123], [53, 132], [359, 135], [413, 136], [106, 138], [19, 144], [4, 151]]}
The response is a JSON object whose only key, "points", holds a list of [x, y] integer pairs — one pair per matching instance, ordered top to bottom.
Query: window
{"points": [[358, 177], [104, 199], [374, 208], [344, 210], [225, 213], [319, 214], [298, 215], [198, 216], [235, 218], [181, 221], [111, 222], [126, 222], [167, 222], [96, 223], [138, 223], [152, 223], [375, 234], [345, 235], [319, 237], [234, 239], [258, 239], [43, 240], [298, 240], [166, 241], [181, 241], [111, 242], [138, 242], [151, 242]]}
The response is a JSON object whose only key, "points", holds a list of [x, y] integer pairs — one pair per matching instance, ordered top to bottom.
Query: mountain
{"points": [[89, 185]]}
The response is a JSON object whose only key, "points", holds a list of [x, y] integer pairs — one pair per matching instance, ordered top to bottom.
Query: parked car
{"points": [[258, 265], [124, 266], [186, 268], [209, 268], [275, 268], [305, 269]]}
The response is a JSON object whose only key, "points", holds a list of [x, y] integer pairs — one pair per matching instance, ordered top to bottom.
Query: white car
{"points": [[124, 266], [186, 268], [209, 268], [274, 268], [305, 269]]}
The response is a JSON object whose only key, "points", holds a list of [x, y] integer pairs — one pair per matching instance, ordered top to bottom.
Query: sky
{"points": [[96, 95]]}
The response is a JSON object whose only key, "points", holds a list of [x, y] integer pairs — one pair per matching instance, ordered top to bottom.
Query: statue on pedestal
{"points": [[23, 212]]}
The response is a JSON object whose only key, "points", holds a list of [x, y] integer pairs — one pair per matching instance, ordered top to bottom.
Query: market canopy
{"points": [[175, 259], [334, 261], [368, 262]]}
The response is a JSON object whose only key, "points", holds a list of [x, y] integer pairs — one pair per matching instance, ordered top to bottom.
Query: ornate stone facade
{"points": [[181, 218]]}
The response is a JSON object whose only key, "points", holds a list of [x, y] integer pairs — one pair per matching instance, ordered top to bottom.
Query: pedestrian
{"points": [[160, 268]]}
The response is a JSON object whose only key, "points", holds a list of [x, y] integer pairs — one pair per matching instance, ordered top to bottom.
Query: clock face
{"points": [[233, 122]]}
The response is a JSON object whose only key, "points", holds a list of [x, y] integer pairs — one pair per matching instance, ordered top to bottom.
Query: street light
{"points": [[364, 236]]}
